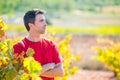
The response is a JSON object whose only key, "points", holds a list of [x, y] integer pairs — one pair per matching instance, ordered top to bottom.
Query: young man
{"points": [[45, 50]]}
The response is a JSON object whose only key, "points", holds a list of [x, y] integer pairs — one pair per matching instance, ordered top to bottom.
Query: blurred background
{"points": [[85, 20]]}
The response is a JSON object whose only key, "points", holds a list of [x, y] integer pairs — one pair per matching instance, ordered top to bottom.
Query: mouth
{"points": [[44, 28]]}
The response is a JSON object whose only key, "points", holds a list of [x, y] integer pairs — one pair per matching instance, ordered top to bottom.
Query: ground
{"points": [[92, 75]]}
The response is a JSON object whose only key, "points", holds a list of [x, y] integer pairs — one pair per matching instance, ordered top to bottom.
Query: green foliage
{"points": [[8, 6], [105, 29], [100, 30], [29, 52], [109, 54], [68, 57], [13, 67], [33, 67]]}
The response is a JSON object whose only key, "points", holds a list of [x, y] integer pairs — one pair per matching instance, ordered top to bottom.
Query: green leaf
{"points": [[29, 52], [32, 65], [10, 74]]}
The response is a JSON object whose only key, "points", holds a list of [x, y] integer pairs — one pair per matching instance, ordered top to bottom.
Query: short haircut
{"points": [[30, 15]]}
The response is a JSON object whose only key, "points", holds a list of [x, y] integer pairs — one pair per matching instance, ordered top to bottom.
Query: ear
{"points": [[30, 25]]}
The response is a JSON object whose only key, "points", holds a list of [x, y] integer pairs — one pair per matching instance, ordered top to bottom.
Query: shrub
{"points": [[109, 54], [14, 67]]}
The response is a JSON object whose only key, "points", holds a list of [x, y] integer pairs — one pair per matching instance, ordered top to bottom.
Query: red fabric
{"points": [[45, 51]]}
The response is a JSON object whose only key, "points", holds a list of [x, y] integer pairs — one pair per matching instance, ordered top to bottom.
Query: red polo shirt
{"points": [[45, 51]]}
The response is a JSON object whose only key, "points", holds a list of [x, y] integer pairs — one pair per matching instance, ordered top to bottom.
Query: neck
{"points": [[33, 37]]}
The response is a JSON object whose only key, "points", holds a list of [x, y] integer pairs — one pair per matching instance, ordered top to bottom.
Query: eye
{"points": [[41, 20]]}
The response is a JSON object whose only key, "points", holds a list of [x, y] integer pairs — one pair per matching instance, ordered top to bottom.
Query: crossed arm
{"points": [[51, 70]]}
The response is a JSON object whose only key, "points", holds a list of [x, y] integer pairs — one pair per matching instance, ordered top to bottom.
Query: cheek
{"points": [[40, 24]]}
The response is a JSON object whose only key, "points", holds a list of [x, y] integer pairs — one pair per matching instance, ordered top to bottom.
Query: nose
{"points": [[45, 23]]}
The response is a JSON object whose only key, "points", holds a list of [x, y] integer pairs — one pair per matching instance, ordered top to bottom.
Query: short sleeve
{"points": [[17, 48], [57, 58]]}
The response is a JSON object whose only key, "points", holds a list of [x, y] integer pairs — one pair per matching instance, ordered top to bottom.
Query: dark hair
{"points": [[30, 15]]}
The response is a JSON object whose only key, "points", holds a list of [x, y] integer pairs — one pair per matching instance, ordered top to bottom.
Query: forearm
{"points": [[47, 67], [56, 71]]}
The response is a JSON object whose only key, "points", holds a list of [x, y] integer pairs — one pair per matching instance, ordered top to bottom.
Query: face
{"points": [[39, 25]]}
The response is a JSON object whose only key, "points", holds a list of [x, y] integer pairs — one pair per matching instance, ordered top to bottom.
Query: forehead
{"points": [[39, 17]]}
